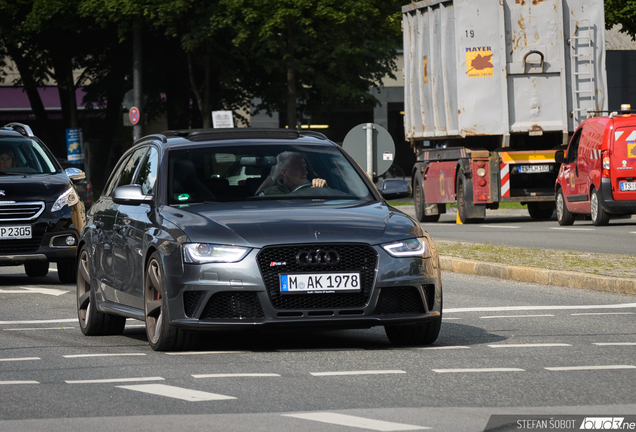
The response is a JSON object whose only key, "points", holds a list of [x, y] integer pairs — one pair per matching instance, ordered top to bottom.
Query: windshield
{"points": [[25, 156], [259, 172]]}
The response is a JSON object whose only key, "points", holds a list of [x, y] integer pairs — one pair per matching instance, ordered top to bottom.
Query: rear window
{"points": [[250, 173]]}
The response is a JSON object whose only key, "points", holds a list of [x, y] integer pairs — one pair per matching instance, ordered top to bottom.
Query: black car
{"points": [[41, 214], [309, 241]]}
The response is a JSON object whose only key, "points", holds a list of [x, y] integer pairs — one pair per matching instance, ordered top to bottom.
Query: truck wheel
{"points": [[419, 200], [462, 211], [539, 213], [598, 214], [564, 217]]}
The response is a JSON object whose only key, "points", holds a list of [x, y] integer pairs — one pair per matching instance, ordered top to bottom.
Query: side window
{"points": [[574, 147], [131, 166], [147, 175], [114, 178]]}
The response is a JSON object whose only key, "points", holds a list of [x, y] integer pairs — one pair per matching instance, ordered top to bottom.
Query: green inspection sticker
{"points": [[183, 197]]}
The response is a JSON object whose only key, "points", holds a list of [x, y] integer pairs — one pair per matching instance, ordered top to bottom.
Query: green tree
{"points": [[621, 12]]}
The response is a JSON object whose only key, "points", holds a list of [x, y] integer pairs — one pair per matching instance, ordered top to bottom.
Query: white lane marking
{"points": [[499, 226], [572, 229], [27, 290], [529, 308], [604, 313], [515, 316], [446, 318], [38, 321], [38, 328], [614, 343], [535, 345], [444, 347], [204, 352], [103, 355], [20, 359], [577, 368], [479, 370], [367, 372], [233, 375], [114, 380], [18, 382], [176, 392], [357, 422]]}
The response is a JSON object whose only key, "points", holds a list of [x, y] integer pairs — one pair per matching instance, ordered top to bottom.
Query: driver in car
{"points": [[290, 174]]}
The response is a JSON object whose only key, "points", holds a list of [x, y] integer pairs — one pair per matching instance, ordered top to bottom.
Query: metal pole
{"points": [[137, 89], [369, 128]]}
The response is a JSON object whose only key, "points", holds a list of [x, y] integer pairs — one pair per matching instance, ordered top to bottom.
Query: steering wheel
{"points": [[302, 186]]}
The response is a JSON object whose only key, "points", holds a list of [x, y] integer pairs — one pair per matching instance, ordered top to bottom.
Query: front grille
{"points": [[25, 211], [9, 247], [353, 258], [399, 300], [191, 301], [232, 305]]}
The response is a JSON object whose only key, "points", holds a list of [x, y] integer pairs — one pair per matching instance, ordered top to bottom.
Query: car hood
{"points": [[33, 187], [292, 222]]}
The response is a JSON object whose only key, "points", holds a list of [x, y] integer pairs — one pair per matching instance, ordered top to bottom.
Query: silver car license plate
{"points": [[532, 169], [628, 186], [319, 283]]}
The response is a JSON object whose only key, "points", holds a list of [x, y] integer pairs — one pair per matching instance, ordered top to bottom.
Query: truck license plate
{"points": [[532, 169], [628, 186], [15, 232], [319, 283]]}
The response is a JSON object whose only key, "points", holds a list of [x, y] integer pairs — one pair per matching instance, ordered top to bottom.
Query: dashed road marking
{"points": [[499, 226], [572, 229], [27, 290], [536, 308], [603, 313], [515, 316], [38, 321], [38, 328], [613, 343], [534, 345], [443, 347], [205, 353], [103, 355], [19, 359], [578, 368], [478, 370], [366, 372], [235, 375], [114, 380], [18, 382], [176, 392], [354, 421]]}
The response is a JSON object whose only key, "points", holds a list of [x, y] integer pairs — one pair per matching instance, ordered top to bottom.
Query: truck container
{"points": [[493, 88]]}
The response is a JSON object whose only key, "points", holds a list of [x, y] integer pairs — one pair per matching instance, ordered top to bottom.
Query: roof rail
{"points": [[21, 128], [237, 133], [159, 137]]}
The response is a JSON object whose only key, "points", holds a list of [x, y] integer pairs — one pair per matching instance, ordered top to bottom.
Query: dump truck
{"points": [[493, 88]]}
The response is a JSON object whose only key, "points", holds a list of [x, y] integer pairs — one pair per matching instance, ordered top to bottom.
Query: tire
{"points": [[419, 201], [461, 201], [539, 213], [599, 216], [564, 217], [36, 269], [66, 272], [93, 322], [415, 334], [161, 335]]}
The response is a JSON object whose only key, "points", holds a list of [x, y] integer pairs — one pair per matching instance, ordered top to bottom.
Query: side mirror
{"points": [[559, 156], [75, 174], [395, 189], [131, 195]]}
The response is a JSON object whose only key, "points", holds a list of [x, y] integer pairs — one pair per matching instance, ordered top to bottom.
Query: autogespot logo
{"points": [[317, 257]]}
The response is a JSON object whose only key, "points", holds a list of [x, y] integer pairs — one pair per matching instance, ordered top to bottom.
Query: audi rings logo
{"points": [[317, 257]]}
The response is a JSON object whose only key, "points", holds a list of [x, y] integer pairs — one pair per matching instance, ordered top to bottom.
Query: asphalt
{"points": [[530, 274]]}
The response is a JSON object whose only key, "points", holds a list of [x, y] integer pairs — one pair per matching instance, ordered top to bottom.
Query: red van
{"points": [[598, 175]]}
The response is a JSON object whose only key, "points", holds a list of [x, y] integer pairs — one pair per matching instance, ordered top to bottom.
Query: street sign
{"points": [[133, 115], [222, 119], [372, 147]]}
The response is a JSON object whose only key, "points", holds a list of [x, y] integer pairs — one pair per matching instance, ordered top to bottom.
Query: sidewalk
{"points": [[531, 274]]}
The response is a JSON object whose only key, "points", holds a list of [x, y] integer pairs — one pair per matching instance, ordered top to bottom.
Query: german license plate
{"points": [[532, 169], [628, 186], [15, 232], [320, 283]]}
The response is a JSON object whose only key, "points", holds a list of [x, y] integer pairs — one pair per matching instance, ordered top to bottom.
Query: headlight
{"points": [[69, 198], [416, 247], [199, 253]]}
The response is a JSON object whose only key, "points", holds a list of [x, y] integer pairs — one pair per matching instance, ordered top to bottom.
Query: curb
{"points": [[540, 276]]}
